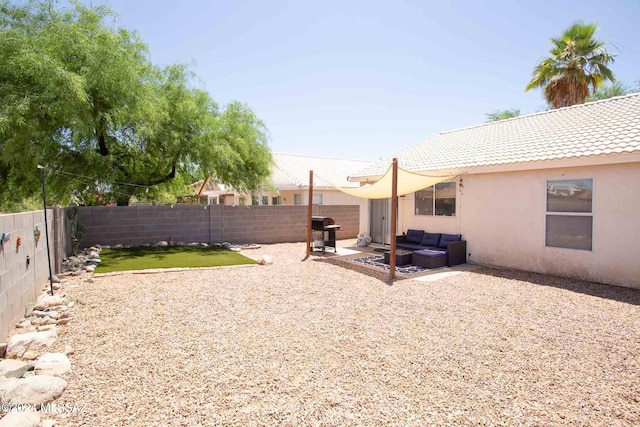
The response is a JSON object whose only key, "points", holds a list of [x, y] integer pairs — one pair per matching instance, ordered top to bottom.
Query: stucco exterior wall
{"points": [[502, 216]]}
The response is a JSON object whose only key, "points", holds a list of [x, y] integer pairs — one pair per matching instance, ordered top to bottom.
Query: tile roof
{"points": [[610, 126], [293, 170]]}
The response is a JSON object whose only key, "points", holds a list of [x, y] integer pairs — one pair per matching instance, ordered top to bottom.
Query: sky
{"points": [[366, 79]]}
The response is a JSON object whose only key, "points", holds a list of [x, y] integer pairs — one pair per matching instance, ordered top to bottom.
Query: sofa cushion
{"points": [[414, 236], [430, 239], [445, 239], [409, 246]]}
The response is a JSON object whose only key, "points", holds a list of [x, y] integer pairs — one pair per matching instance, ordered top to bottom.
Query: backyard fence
{"points": [[23, 266]]}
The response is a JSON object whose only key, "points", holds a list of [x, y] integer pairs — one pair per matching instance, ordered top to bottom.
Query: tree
{"points": [[577, 67], [606, 92], [84, 100], [496, 115]]}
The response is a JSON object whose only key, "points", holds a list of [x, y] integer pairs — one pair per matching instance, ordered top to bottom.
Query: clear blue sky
{"points": [[365, 79]]}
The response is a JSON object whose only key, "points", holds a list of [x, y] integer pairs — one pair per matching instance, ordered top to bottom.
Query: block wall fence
{"points": [[141, 224], [21, 282]]}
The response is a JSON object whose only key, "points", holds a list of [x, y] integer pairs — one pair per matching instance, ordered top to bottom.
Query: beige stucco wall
{"points": [[502, 217]]}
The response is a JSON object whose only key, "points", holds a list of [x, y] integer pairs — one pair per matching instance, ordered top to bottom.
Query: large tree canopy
{"points": [[578, 65], [82, 98]]}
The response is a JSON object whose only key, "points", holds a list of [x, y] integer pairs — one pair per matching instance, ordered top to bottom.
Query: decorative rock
{"points": [[161, 243], [193, 244], [204, 245], [226, 245], [118, 246], [236, 249], [93, 254], [265, 260], [89, 268], [55, 279], [56, 286], [46, 300], [72, 303], [29, 309], [40, 313], [54, 314], [48, 321], [62, 321], [36, 322], [24, 324], [46, 327], [19, 344], [3, 349], [68, 350], [30, 355], [52, 364], [8, 365], [18, 373], [37, 390], [21, 419]]}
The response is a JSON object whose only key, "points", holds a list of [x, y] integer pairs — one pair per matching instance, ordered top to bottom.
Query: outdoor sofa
{"points": [[433, 250]]}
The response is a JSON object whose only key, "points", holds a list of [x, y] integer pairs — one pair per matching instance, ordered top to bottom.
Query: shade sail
{"points": [[408, 182]]}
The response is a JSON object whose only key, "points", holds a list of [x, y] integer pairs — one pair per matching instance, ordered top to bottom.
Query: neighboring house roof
{"points": [[607, 127], [292, 171]]}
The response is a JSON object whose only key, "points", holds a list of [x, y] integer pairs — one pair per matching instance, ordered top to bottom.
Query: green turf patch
{"points": [[143, 258]]}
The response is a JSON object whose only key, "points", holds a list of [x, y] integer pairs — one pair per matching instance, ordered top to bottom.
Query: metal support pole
{"points": [[394, 208], [309, 214], [46, 226]]}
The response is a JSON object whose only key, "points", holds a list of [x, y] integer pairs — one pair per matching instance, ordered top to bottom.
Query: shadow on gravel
{"points": [[374, 273], [600, 290]]}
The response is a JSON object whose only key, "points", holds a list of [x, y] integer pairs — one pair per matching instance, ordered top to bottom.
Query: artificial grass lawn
{"points": [[142, 258]]}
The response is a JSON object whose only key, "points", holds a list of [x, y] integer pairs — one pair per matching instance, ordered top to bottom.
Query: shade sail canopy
{"points": [[408, 182]]}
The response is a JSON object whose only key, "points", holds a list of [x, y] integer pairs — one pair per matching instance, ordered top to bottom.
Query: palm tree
{"points": [[578, 65]]}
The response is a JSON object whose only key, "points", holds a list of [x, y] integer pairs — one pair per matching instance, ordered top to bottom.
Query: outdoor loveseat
{"points": [[433, 250]]}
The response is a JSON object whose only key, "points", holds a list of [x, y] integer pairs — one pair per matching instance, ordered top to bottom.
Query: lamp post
{"points": [[46, 226]]}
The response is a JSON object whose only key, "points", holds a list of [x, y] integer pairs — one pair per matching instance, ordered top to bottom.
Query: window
{"points": [[297, 199], [317, 199], [213, 200], [254, 200], [265, 200], [275, 200], [437, 200], [570, 214]]}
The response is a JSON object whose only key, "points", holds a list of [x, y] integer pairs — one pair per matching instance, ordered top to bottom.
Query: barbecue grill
{"points": [[323, 231]]}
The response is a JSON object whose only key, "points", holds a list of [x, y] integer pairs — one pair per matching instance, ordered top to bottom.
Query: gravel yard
{"points": [[311, 343]]}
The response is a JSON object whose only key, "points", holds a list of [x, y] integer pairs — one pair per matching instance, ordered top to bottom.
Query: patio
{"points": [[311, 343]]}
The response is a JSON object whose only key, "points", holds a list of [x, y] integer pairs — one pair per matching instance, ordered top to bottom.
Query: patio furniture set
{"points": [[429, 250]]}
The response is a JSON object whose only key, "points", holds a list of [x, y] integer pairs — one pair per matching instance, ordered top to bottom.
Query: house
{"points": [[290, 185], [556, 192]]}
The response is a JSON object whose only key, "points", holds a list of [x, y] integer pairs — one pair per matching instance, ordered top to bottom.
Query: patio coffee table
{"points": [[402, 257]]}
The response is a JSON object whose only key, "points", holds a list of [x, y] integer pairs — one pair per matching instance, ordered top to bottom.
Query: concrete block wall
{"points": [[137, 225], [20, 283]]}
